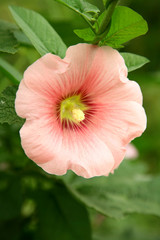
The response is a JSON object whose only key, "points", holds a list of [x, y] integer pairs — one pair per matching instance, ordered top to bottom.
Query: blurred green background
{"points": [[132, 227]]}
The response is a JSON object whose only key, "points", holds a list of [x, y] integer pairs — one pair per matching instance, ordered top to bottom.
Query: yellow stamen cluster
{"points": [[72, 109], [78, 115]]}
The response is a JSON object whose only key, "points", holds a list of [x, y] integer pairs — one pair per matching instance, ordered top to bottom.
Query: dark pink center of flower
{"points": [[74, 111]]}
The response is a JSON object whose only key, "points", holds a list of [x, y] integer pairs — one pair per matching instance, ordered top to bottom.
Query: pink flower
{"points": [[81, 111]]}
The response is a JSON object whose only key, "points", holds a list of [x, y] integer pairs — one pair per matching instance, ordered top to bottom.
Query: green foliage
{"points": [[104, 2], [107, 2], [82, 7], [107, 14], [126, 24], [39, 31], [86, 34], [11, 37], [21, 38], [8, 42], [134, 61], [10, 71], [7, 108], [127, 191], [10, 197], [57, 210], [48, 211], [74, 212], [51, 224], [132, 227]]}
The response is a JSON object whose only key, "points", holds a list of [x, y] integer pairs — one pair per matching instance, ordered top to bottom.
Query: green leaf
{"points": [[107, 2], [82, 7], [126, 24], [14, 33], [86, 34], [44, 38], [22, 39], [8, 42], [134, 61], [10, 71], [7, 108], [127, 191], [72, 208], [61, 216], [51, 224]]}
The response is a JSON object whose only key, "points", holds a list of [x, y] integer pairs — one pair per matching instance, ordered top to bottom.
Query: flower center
{"points": [[72, 108]]}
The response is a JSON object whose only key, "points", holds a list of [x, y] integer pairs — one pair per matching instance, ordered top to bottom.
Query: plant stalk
{"points": [[110, 6]]}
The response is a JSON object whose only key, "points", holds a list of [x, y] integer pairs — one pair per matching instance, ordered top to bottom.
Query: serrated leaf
{"points": [[82, 7], [126, 24], [86, 34], [44, 38], [8, 42], [134, 61], [10, 71], [7, 108], [120, 194]]}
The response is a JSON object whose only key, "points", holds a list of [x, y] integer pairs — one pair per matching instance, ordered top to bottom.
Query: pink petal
{"points": [[94, 69], [43, 76], [129, 91], [31, 105], [118, 124], [41, 140], [56, 151], [87, 157]]}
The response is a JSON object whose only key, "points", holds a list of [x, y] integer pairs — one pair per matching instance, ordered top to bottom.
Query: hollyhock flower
{"points": [[80, 111]]}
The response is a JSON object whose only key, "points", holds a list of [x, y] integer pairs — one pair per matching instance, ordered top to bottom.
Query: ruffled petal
{"points": [[94, 70], [43, 76], [128, 91], [31, 105], [118, 124], [41, 140], [56, 151], [87, 156]]}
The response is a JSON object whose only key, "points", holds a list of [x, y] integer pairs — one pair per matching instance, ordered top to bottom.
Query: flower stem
{"points": [[110, 6], [90, 24]]}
